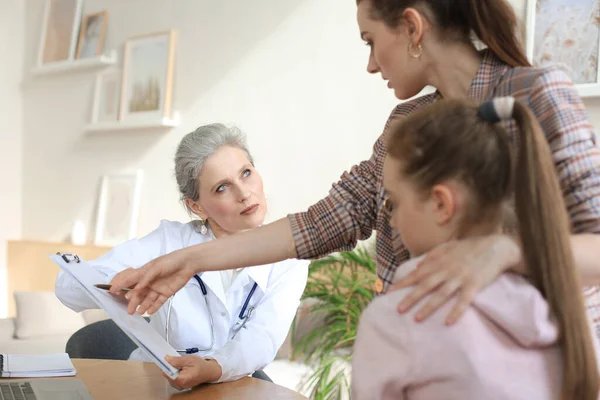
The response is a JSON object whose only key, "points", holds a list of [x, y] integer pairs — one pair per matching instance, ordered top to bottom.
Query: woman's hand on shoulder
{"points": [[459, 269]]}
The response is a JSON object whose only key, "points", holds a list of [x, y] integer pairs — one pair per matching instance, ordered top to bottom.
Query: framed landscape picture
{"points": [[566, 33], [148, 70]]}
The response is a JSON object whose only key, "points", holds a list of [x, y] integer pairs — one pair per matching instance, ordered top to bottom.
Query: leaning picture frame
{"points": [[60, 26], [566, 33], [92, 35], [148, 75], [118, 208]]}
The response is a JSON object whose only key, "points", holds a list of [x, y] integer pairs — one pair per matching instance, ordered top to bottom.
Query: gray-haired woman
{"points": [[219, 185]]}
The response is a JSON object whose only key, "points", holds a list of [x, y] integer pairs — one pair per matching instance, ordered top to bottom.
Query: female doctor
{"points": [[229, 323]]}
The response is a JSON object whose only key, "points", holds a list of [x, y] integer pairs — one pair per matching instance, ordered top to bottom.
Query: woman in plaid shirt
{"points": [[415, 43]]}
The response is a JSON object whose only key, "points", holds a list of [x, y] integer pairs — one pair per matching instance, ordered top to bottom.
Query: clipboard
{"points": [[134, 326]]}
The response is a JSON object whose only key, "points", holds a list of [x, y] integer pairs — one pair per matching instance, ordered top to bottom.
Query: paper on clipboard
{"points": [[134, 325]]}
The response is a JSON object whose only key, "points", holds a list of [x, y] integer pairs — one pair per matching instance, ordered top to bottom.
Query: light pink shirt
{"points": [[504, 347]]}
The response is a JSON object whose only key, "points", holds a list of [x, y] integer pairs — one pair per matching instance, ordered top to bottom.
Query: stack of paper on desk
{"points": [[134, 325], [35, 366]]}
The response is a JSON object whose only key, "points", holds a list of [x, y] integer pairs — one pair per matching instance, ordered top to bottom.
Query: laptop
{"points": [[44, 389]]}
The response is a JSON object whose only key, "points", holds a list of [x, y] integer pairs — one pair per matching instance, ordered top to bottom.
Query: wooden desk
{"points": [[109, 380]]}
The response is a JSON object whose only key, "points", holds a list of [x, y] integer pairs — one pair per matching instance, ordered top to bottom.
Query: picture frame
{"points": [[59, 31], [566, 33], [92, 35], [148, 74], [107, 94], [118, 208]]}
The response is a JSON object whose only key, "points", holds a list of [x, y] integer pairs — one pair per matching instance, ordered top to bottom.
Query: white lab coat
{"points": [[275, 300]]}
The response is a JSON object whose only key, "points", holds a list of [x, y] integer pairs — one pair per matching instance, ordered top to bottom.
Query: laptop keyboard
{"points": [[16, 391]]}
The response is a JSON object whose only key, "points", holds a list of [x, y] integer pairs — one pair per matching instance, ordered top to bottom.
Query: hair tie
{"points": [[498, 109]]}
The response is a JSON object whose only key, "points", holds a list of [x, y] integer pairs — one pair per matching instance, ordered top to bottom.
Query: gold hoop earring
{"points": [[419, 48]]}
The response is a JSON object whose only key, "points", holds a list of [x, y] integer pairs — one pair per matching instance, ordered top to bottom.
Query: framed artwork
{"points": [[59, 31], [566, 33], [91, 35], [148, 71], [107, 93], [118, 208]]}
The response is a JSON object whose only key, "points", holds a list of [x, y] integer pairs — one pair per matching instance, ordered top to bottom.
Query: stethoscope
{"points": [[243, 317]]}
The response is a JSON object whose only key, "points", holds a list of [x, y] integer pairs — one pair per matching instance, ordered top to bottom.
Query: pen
{"points": [[107, 287]]}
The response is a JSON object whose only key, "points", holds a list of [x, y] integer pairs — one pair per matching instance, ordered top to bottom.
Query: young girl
{"points": [[449, 174]]}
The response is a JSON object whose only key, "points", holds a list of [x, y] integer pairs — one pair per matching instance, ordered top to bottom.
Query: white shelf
{"points": [[76, 65], [134, 125]]}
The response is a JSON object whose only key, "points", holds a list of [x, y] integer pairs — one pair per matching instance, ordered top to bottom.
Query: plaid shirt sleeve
{"points": [[573, 143], [347, 215]]}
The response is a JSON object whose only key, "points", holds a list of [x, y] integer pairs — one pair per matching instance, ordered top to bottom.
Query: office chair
{"points": [[101, 340]]}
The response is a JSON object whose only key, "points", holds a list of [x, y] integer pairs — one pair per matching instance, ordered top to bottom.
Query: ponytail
{"points": [[545, 237]]}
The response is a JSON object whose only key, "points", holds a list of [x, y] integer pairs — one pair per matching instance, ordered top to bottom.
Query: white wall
{"points": [[12, 17], [291, 73]]}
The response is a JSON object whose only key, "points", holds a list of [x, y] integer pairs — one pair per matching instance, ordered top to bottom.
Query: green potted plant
{"points": [[339, 288]]}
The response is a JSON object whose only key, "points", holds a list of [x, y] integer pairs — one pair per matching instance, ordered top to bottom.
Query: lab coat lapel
{"points": [[259, 274], [212, 279], [240, 281]]}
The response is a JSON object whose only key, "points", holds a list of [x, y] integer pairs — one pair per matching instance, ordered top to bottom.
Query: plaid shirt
{"points": [[355, 205]]}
